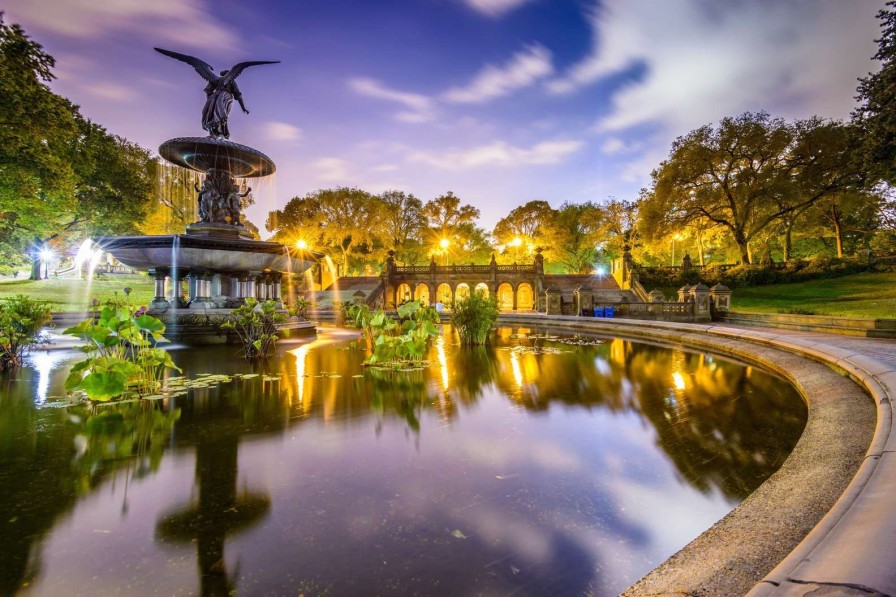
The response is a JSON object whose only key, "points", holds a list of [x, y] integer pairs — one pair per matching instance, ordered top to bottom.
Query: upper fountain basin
{"points": [[211, 153], [217, 254]]}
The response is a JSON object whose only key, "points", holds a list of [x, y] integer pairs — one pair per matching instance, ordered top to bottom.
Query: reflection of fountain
{"points": [[217, 257], [219, 512]]}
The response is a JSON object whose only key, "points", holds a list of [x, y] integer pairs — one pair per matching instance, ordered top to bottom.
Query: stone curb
{"points": [[850, 550]]}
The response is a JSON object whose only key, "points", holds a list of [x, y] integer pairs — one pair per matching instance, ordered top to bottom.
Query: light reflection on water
{"points": [[493, 471]]}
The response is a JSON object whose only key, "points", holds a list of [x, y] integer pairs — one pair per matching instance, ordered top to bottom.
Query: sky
{"points": [[500, 101]]}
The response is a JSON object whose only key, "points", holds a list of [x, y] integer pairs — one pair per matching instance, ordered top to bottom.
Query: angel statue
{"points": [[220, 91]]}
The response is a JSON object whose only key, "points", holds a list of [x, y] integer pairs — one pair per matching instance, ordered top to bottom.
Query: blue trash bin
{"points": [[598, 311], [608, 312]]}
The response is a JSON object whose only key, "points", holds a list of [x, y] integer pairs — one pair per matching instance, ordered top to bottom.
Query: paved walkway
{"points": [[852, 549]]}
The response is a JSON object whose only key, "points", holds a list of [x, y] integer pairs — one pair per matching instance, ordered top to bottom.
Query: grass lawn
{"points": [[76, 295], [862, 295]]}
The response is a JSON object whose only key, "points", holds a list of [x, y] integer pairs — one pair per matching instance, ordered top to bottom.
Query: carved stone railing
{"points": [[525, 269]]}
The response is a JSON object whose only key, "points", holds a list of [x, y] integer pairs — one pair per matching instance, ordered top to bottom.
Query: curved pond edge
{"points": [[824, 521]]}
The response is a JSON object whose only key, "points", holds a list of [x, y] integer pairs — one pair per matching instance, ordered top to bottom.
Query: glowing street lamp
{"points": [[515, 243], [444, 244], [301, 245], [46, 255]]}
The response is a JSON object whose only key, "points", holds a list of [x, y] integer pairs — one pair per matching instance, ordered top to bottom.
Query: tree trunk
{"points": [[838, 234], [788, 242], [744, 246], [700, 248], [35, 267]]}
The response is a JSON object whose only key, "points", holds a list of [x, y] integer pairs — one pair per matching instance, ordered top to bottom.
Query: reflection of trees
{"points": [[36, 479]]}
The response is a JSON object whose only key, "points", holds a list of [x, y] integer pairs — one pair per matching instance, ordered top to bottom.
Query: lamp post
{"points": [[675, 237], [516, 242], [444, 244], [45, 255]]}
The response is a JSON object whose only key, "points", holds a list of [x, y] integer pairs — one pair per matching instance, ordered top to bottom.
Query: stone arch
{"points": [[483, 287], [461, 291], [402, 293], [421, 293], [444, 294], [505, 296], [525, 296]]}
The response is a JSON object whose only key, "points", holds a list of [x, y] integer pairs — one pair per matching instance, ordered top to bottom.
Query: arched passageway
{"points": [[483, 288], [461, 292], [421, 293], [402, 294], [444, 294], [505, 297], [525, 298]]}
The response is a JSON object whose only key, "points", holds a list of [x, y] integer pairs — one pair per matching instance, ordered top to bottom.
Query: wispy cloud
{"points": [[495, 8], [186, 22], [701, 62], [523, 70], [111, 91], [419, 108], [282, 131], [499, 153], [331, 170]]}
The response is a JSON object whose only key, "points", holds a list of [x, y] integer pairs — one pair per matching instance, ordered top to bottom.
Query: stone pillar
{"points": [[244, 286], [250, 287], [261, 288], [278, 288], [176, 289], [683, 293], [656, 296], [700, 296], [720, 298], [584, 299], [159, 301], [553, 301]]}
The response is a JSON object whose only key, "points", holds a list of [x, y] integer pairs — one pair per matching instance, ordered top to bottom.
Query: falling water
{"points": [[85, 253], [95, 256], [332, 269], [175, 276], [309, 285], [290, 290]]}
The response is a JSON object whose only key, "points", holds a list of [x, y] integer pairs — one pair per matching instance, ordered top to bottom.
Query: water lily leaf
{"points": [[457, 533]]}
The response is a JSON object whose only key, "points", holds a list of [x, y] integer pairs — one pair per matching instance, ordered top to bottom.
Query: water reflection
{"points": [[525, 471]]}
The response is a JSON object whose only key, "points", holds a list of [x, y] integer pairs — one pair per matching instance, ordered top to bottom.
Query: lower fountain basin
{"points": [[224, 255]]}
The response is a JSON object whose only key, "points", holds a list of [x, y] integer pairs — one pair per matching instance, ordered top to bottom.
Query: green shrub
{"points": [[300, 308], [474, 317], [21, 320], [255, 323], [122, 355]]}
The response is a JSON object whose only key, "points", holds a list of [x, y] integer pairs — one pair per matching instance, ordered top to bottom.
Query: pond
{"points": [[557, 469]]}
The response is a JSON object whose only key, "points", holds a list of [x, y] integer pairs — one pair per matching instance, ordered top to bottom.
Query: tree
{"points": [[877, 96], [37, 132], [750, 172], [175, 200], [852, 215], [445, 218], [339, 219], [619, 219], [403, 224], [524, 226], [572, 235]]}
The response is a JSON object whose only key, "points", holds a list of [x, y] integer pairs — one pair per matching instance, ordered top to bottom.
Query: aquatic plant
{"points": [[300, 308], [474, 316], [21, 320], [255, 323], [396, 344], [123, 358]]}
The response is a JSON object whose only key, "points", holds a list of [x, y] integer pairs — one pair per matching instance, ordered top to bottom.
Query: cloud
{"points": [[495, 8], [184, 22], [702, 61], [524, 69], [112, 91], [419, 108], [282, 131], [499, 153], [385, 168], [331, 169]]}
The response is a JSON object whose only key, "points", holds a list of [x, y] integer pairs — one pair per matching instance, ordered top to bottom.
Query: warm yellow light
{"points": [[678, 236], [516, 241], [444, 243], [301, 244], [678, 379]]}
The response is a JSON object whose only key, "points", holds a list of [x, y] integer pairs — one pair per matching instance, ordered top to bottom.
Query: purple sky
{"points": [[500, 101]]}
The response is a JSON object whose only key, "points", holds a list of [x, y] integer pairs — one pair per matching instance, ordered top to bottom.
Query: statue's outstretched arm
{"points": [[248, 190]]}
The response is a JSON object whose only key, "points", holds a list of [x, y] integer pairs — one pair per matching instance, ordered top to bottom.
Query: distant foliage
{"points": [[474, 317], [21, 320], [256, 325], [122, 358]]}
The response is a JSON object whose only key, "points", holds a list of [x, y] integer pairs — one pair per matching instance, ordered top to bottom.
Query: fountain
{"points": [[217, 256]]}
